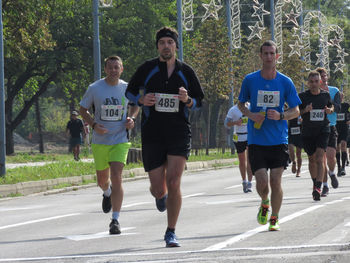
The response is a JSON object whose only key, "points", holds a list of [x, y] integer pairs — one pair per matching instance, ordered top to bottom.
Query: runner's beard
{"points": [[167, 55]]}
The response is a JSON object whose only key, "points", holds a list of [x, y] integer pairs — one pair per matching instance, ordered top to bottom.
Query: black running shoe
{"points": [[342, 172], [334, 181], [325, 191], [316, 194], [161, 203], [106, 204], [114, 227]]}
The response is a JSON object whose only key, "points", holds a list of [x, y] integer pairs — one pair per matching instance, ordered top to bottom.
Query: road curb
{"points": [[46, 187]]}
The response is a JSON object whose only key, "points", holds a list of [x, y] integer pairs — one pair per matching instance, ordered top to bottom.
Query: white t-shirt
{"points": [[110, 110], [234, 114]]}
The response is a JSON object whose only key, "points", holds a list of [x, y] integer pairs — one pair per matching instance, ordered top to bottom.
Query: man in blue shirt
{"points": [[267, 91], [330, 159]]}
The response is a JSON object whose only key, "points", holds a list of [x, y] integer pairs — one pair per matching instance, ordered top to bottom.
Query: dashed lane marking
{"points": [[38, 220], [99, 235]]}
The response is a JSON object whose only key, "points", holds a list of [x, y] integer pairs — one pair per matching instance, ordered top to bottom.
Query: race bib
{"points": [[268, 98], [167, 102], [112, 112], [316, 115], [341, 117], [244, 120], [295, 130], [235, 137]]}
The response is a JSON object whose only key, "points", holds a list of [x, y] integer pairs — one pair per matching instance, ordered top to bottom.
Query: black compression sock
{"points": [[337, 155], [343, 159], [313, 181], [318, 185], [170, 230]]}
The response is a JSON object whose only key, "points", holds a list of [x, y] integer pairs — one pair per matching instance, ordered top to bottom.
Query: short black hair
{"points": [[268, 43]]}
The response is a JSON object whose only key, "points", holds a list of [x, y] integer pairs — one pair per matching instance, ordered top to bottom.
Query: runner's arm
{"points": [[291, 113]]}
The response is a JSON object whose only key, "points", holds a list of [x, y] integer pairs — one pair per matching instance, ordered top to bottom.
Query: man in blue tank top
{"points": [[268, 90], [330, 159]]}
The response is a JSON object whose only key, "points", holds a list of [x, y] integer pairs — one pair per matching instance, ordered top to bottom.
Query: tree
{"points": [[210, 57]]}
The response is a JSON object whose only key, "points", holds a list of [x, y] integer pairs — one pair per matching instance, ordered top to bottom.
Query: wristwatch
{"points": [[189, 100], [281, 116], [134, 119]]}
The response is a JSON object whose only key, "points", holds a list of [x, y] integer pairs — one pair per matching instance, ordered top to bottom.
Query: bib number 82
{"points": [[268, 98]]}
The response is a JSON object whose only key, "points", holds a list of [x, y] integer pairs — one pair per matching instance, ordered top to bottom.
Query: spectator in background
{"points": [[75, 129]]}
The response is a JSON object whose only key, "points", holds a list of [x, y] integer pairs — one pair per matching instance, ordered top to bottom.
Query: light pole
{"points": [[179, 28], [97, 54], [2, 102]]}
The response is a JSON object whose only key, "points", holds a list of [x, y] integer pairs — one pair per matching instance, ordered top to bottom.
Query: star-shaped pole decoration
{"points": [[256, 2], [211, 10], [260, 12], [292, 17], [256, 31], [299, 34], [335, 42], [296, 48], [341, 53], [320, 58], [339, 67]]}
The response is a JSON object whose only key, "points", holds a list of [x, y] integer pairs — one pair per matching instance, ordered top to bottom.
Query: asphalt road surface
{"points": [[217, 224]]}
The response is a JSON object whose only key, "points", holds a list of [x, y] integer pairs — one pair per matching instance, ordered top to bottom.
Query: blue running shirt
{"points": [[272, 95], [333, 116]]}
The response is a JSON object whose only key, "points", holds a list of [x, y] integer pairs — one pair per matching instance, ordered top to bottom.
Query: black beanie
{"points": [[166, 32]]}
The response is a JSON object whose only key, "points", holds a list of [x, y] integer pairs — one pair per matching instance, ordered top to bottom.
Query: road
{"points": [[217, 224]]}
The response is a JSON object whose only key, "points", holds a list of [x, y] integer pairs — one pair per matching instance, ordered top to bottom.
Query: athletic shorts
{"points": [[342, 133], [296, 140], [73, 141], [332, 141], [310, 143], [241, 146], [105, 154], [155, 154], [268, 157]]}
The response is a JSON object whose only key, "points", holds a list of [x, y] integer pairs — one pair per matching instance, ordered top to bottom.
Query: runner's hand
{"points": [[183, 96], [149, 99], [308, 108], [328, 110], [273, 114], [257, 117], [239, 122], [129, 123], [100, 129]]}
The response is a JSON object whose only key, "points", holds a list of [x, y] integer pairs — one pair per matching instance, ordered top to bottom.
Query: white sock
{"points": [[325, 184], [108, 192]]}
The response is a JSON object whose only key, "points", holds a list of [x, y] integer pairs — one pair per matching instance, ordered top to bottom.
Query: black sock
{"points": [[337, 155], [343, 159], [314, 181], [318, 185], [170, 230]]}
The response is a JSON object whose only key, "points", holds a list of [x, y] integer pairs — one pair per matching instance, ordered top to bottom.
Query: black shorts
{"points": [[342, 133], [296, 140], [332, 141], [310, 143], [241, 146], [154, 154], [268, 157]]}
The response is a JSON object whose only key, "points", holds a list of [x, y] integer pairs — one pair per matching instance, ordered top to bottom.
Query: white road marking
{"points": [[193, 195], [135, 204], [3, 209], [38, 220], [348, 224], [257, 230], [99, 235], [319, 247]]}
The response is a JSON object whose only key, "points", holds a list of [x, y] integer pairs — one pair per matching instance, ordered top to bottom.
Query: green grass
{"points": [[64, 166]]}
